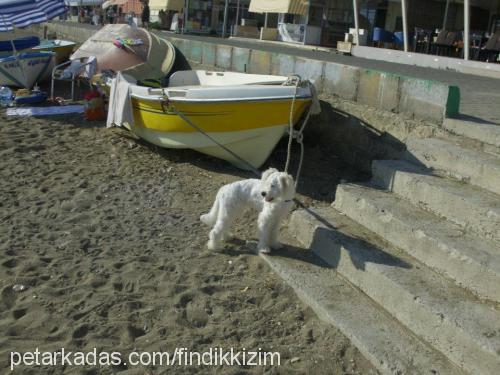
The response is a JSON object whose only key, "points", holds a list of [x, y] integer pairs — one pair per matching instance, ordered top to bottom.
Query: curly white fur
{"points": [[272, 196]]}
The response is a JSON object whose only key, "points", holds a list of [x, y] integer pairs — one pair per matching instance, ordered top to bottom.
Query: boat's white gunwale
{"points": [[222, 100]]}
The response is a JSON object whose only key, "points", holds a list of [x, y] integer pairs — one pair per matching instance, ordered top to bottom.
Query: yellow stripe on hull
{"points": [[216, 116]]}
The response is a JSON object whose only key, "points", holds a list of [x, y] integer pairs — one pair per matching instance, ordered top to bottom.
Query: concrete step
{"points": [[481, 131], [470, 143], [478, 168], [475, 209], [472, 263], [446, 316], [379, 337]]}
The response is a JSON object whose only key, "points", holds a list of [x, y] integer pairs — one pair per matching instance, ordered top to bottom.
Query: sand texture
{"points": [[102, 232]]}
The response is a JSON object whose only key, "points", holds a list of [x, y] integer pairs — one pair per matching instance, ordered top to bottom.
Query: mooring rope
{"points": [[297, 134]]}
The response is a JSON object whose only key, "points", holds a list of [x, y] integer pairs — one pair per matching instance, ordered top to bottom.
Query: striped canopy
{"points": [[22, 13]]}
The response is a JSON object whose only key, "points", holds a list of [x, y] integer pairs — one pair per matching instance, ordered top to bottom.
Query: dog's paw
{"points": [[213, 245], [277, 245], [265, 250]]}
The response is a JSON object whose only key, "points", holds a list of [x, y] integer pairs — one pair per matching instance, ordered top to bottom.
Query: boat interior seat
{"points": [[184, 78], [208, 78]]}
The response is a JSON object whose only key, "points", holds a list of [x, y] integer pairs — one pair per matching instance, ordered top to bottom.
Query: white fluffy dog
{"points": [[272, 196]]}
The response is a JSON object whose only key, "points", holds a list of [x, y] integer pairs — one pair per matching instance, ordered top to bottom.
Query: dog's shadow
{"points": [[330, 246], [235, 247]]}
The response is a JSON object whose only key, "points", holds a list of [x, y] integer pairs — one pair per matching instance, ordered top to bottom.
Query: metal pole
{"points": [[186, 10], [237, 12], [446, 14], [356, 19], [265, 20], [307, 22], [224, 24], [405, 25], [466, 28]]}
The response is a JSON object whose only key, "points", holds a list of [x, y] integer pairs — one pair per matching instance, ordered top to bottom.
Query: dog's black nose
{"points": [[263, 193]]}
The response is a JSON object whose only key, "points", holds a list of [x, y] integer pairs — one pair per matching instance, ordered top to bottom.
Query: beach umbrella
{"points": [[22, 13]]}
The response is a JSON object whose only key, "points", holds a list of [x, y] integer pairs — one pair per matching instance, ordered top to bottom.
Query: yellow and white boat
{"points": [[247, 113]]}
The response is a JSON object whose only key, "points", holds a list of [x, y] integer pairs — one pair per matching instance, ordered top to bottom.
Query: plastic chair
{"points": [[382, 36], [78, 73]]}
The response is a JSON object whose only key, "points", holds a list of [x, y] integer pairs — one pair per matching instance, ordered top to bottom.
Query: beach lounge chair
{"points": [[73, 71]]}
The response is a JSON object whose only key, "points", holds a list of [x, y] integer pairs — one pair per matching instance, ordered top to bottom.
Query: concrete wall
{"points": [[478, 68], [422, 99], [367, 114]]}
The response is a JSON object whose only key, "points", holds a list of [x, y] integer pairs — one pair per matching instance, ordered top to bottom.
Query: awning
{"points": [[108, 3], [166, 5], [279, 6]]}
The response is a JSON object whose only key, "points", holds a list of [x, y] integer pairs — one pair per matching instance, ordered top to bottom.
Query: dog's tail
{"points": [[210, 218]]}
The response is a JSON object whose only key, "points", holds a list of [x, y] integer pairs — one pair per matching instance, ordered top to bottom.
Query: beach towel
{"points": [[77, 67], [120, 106], [45, 111]]}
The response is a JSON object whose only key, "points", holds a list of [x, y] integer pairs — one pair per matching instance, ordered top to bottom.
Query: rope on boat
{"points": [[294, 80], [232, 153]]}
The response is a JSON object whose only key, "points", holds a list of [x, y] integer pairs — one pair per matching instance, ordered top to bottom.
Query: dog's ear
{"points": [[267, 173], [284, 181]]}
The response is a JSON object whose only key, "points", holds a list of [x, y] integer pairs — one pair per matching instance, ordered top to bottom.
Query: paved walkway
{"points": [[480, 95]]}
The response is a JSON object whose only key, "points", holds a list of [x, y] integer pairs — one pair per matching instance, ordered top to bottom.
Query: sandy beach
{"points": [[101, 233]]}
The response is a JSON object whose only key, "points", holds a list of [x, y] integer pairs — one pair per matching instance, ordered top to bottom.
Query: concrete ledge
{"points": [[429, 61], [480, 131], [475, 167], [476, 210]]}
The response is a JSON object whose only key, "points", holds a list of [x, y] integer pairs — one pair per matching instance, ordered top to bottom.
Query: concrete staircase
{"points": [[421, 241]]}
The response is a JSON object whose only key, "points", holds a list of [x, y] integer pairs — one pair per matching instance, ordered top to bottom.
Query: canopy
{"points": [[108, 3], [166, 5], [279, 6], [22, 13]]}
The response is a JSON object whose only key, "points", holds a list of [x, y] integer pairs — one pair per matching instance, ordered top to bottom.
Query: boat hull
{"points": [[62, 48], [26, 69], [250, 129], [254, 146]]}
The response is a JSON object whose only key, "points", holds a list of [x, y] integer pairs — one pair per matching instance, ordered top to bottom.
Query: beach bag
{"points": [[94, 106]]}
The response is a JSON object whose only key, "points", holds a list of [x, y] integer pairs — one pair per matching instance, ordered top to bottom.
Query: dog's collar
{"points": [[288, 200]]}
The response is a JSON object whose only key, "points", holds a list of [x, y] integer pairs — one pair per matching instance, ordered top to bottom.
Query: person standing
{"points": [[110, 14], [145, 15]]}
